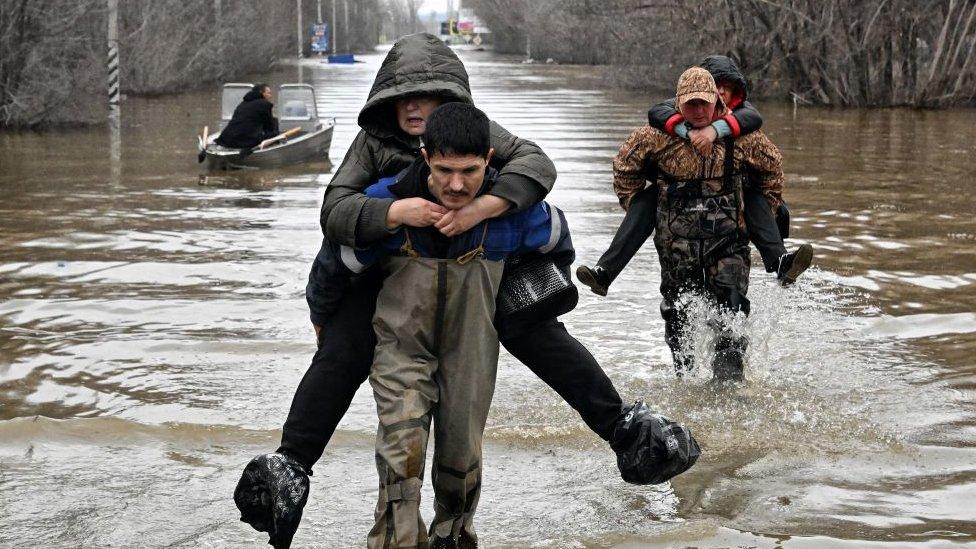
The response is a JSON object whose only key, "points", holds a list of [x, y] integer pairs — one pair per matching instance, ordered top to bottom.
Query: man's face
{"points": [[697, 112], [412, 113], [456, 178]]}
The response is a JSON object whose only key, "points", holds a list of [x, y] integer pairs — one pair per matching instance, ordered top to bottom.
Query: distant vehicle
{"points": [[298, 115]]}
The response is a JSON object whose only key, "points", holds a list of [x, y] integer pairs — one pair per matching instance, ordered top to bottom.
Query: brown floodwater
{"points": [[153, 329]]}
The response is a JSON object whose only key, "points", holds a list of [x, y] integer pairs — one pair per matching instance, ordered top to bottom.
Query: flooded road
{"points": [[153, 329]]}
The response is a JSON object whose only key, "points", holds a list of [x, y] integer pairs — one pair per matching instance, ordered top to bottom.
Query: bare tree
{"points": [[402, 17], [170, 44], [52, 52], [837, 52], [46, 57]]}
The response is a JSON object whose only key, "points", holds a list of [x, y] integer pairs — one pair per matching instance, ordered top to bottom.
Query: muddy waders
{"points": [[703, 250], [435, 362]]}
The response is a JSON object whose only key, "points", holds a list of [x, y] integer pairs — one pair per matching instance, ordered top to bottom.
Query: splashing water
{"points": [[153, 332]]}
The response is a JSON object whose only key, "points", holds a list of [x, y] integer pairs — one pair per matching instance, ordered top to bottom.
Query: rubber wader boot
{"points": [[729, 358], [464, 541]]}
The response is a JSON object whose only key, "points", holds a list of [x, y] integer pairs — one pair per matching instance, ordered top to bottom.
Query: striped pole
{"points": [[113, 57], [115, 130]]}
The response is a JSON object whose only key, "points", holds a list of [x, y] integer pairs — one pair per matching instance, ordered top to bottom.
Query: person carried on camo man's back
{"points": [[766, 228]]}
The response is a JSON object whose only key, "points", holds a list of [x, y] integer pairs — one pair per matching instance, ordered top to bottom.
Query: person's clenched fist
{"points": [[414, 212]]}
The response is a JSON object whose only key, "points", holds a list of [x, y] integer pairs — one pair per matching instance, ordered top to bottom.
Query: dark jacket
{"points": [[417, 64], [723, 68], [743, 117], [251, 124], [330, 276]]}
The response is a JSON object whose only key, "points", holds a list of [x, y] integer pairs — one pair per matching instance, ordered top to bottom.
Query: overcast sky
{"points": [[434, 5]]}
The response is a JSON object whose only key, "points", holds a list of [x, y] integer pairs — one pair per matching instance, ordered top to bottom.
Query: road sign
{"points": [[320, 38]]}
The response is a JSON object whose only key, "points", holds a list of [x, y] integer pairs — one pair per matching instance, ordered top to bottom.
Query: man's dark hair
{"points": [[457, 128]]}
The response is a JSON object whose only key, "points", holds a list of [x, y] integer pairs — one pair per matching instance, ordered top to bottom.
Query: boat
{"points": [[298, 114]]}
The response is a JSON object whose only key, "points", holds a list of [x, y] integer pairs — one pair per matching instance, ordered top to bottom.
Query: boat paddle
{"points": [[203, 146], [247, 152]]}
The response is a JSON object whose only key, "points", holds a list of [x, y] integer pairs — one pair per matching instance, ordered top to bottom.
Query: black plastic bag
{"points": [[651, 448], [271, 496]]}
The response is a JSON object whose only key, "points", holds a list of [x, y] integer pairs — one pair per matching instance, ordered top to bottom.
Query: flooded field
{"points": [[153, 329]]}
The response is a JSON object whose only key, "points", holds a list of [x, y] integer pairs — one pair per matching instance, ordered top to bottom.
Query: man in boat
{"points": [[418, 74], [252, 122], [766, 228], [700, 231]]}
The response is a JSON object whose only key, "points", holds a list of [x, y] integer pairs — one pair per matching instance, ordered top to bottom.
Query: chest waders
{"points": [[703, 248], [436, 358]]}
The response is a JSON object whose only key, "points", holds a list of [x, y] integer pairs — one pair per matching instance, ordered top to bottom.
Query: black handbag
{"points": [[534, 289]]}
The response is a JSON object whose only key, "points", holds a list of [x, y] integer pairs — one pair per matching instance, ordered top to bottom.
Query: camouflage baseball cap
{"points": [[696, 83]]}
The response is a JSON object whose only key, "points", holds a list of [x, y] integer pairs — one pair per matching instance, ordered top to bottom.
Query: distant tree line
{"points": [[402, 17], [53, 52], [834, 52]]}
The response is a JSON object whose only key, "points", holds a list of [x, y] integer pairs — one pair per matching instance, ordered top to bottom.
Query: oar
{"points": [[266, 142], [203, 146]]}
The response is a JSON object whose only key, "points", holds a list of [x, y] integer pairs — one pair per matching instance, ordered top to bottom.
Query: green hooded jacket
{"points": [[418, 64]]}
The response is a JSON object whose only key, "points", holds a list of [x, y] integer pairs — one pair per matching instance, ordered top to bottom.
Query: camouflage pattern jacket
{"points": [[650, 153], [700, 236]]}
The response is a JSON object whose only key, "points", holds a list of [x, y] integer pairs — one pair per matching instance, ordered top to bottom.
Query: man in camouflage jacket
{"points": [[700, 235]]}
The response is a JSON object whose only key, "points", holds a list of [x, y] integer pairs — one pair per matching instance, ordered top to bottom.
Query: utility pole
{"points": [[318, 12], [218, 19], [345, 26], [334, 30], [301, 43]]}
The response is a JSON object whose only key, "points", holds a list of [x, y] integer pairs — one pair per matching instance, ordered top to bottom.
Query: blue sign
{"points": [[320, 38]]}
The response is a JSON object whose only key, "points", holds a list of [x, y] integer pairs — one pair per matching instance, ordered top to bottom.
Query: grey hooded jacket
{"points": [[418, 64]]}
